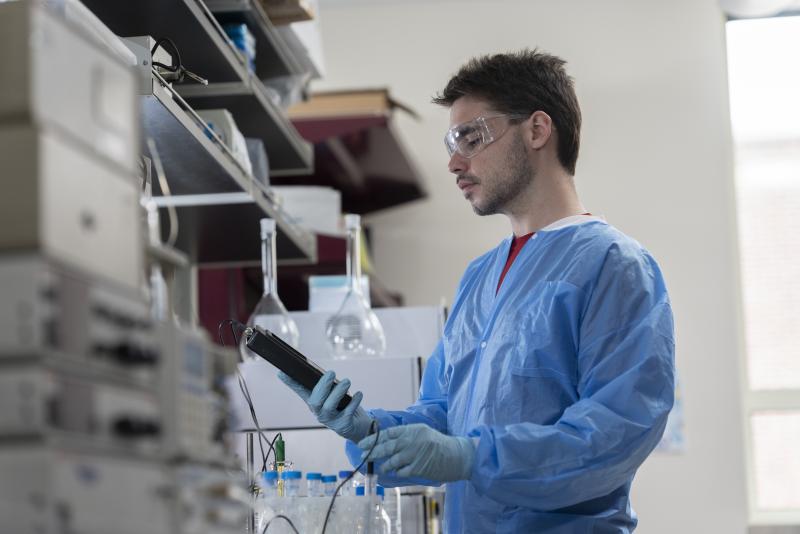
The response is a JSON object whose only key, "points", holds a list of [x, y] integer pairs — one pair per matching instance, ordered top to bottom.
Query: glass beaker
{"points": [[270, 313], [354, 330]]}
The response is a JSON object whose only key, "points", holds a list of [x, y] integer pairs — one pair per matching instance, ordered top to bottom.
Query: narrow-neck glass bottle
{"points": [[270, 313], [354, 330]]}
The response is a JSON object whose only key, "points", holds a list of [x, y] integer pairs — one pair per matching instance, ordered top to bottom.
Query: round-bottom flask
{"points": [[270, 313], [354, 330]]}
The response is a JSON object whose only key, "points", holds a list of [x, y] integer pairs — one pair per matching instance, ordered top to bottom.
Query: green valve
{"points": [[280, 450]]}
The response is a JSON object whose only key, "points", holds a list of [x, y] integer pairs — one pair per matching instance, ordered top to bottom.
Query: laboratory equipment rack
{"points": [[204, 49], [207, 51], [210, 190], [218, 214]]}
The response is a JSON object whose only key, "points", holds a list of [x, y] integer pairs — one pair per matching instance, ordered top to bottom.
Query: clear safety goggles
{"points": [[471, 137]]}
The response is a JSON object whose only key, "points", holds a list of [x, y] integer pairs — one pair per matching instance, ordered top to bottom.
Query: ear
{"points": [[539, 129]]}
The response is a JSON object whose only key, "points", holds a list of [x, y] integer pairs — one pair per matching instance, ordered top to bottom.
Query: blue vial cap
{"points": [[345, 474], [270, 475], [291, 475], [314, 476], [329, 478], [379, 490], [360, 491]]}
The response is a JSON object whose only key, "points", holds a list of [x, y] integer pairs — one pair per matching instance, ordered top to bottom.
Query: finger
{"points": [[301, 391], [321, 391], [331, 405], [351, 408], [395, 432], [382, 435], [366, 443], [383, 449], [398, 461], [407, 471]]}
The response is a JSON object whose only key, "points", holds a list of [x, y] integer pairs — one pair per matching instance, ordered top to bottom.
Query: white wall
{"points": [[656, 161]]}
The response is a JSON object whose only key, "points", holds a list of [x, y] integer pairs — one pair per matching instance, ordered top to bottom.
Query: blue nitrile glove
{"points": [[351, 423], [420, 451]]}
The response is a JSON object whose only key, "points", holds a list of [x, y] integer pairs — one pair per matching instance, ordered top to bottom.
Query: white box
{"points": [[53, 74], [222, 123], [73, 207], [315, 208], [326, 293]]}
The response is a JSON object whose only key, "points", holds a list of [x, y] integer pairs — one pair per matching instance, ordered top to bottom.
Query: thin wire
{"points": [[160, 43], [246, 394], [373, 425], [272, 448], [279, 516]]}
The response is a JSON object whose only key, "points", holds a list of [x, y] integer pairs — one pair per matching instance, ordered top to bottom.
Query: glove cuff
{"points": [[361, 424], [467, 446]]}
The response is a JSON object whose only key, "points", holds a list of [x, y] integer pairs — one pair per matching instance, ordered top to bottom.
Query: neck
{"points": [[551, 197]]}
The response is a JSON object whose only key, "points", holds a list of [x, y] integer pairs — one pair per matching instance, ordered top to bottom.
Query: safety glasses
{"points": [[471, 137]]}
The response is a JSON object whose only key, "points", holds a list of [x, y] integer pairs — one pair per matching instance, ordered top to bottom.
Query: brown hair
{"points": [[521, 83]]}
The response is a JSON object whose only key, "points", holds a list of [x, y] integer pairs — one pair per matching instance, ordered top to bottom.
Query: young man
{"points": [[554, 377]]}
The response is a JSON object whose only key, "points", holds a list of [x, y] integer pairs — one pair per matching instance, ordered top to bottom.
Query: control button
{"points": [[132, 427]]}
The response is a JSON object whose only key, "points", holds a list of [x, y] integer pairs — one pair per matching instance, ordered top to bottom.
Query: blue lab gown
{"points": [[564, 380]]}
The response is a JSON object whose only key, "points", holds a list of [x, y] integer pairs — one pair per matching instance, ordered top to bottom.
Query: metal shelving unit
{"points": [[204, 48], [273, 57], [257, 116], [193, 162], [218, 202], [218, 215], [223, 229]]}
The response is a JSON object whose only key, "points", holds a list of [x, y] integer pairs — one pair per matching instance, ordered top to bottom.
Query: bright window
{"points": [[764, 77]]}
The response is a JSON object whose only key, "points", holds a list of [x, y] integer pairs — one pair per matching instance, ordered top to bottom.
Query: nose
{"points": [[458, 164]]}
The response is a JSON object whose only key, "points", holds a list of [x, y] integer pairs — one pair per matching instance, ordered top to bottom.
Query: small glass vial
{"points": [[314, 481], [291, 483], [269, 485], [329, 485], [346, 490], [361, 491]]}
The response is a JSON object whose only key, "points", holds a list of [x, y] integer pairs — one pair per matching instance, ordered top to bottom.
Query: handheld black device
{"points": [[283, 356]]}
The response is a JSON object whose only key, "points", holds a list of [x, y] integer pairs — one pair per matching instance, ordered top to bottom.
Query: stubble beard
{"points": [[508, 183]]}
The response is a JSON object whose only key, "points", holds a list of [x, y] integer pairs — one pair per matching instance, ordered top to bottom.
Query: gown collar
{"points": [[573, 220]]}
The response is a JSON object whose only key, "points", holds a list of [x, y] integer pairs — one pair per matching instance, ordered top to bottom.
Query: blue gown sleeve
{"points": [[625, 392], [430, 409]]}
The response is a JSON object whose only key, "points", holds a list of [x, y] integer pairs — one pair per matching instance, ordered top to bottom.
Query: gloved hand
{"points": [[351, 423], [420, 451]]}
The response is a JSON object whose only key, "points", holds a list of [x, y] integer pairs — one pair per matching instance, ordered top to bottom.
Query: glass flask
{"points": [[270, 313], [354, 330], [376, 521]]}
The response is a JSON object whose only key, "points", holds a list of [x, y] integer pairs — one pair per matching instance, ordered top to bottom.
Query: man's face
{"points": [[491, 179]]}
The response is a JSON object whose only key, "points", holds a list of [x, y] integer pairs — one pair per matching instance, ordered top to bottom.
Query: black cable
{"points": [[160, 43], [243, 384], [246, 394], [373, 427], [271, 448], [279, 516]]}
